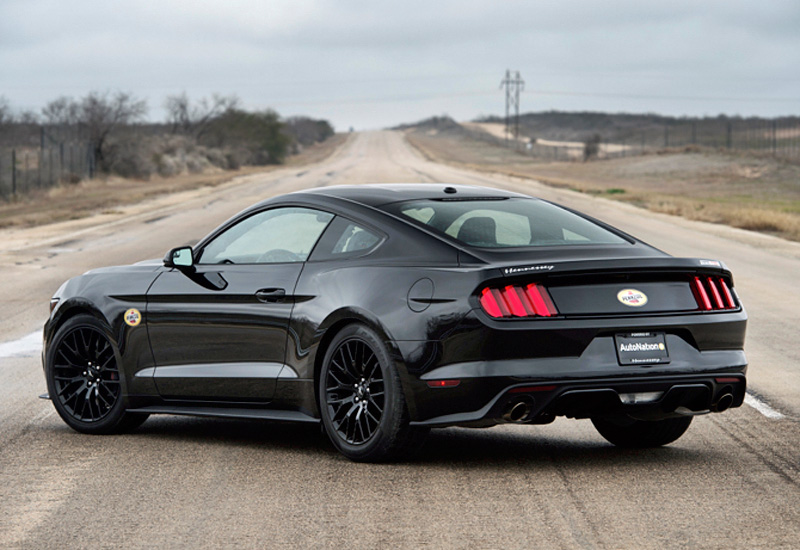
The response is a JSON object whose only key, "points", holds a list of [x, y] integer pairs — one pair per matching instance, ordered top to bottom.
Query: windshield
{"points": [[505, 222]]}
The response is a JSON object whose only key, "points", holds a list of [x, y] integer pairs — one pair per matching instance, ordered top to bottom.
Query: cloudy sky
{"points": [[371, 64]]}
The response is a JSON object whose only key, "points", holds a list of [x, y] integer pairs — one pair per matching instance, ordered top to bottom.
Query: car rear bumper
{"points": [[592, 384], [643, 398]]}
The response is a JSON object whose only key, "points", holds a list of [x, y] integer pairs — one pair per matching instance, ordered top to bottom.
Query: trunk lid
{"points": [[617, 286]]}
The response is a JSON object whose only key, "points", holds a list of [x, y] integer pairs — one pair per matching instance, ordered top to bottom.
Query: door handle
{"points": [[270, 295]]}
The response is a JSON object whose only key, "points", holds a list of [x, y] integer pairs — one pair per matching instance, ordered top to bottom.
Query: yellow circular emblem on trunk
{"points": [[632, 297], [133, 317]]}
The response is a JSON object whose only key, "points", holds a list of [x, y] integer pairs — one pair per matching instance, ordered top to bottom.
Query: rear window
{"points": [[505, 223]]}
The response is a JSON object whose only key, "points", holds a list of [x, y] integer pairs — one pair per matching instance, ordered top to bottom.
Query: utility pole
{"points": [[513, 84]]}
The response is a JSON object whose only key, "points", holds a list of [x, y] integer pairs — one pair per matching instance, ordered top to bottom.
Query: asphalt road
{"points": [[730, 482]]}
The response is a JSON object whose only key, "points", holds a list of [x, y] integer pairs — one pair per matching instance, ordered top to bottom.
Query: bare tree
{"points": [[178, 107], [5, 111], [61, 111], [102, 113], [99, 114], [28, 117], [194, 118]]}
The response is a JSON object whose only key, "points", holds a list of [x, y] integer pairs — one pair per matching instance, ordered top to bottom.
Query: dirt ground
{"points": [[746, 191], [105, 194]]}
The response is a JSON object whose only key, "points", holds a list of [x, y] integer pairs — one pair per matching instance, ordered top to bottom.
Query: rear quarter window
{"points": [[345, 239]]}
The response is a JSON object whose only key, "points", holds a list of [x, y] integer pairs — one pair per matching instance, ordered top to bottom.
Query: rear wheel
{"points": [[83, 378], [362, 404], [640, 434]]}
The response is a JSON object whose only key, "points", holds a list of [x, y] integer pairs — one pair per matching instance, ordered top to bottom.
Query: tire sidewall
{"points": [[393, 412], [115, 415]]}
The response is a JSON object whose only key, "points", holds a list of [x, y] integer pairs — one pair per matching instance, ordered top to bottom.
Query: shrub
{"points": [[308, 131], [260, 133], [129, 158]]}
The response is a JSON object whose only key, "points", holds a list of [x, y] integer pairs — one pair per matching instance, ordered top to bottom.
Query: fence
{"points": [[777, 137], [56, 158]]}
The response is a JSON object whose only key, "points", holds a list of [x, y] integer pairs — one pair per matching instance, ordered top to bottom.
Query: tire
{"points": [[84, 381], [362, 405], [640, 434]]}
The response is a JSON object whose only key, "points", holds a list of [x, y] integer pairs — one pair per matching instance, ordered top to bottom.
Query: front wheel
{"points": [[83, 378], [362, 404], [640, 434]]}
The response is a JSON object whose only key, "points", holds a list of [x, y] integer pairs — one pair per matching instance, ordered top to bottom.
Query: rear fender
{"points": [[346, 316]]}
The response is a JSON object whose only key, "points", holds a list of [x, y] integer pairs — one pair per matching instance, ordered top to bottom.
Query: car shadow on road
{"points": [[275, 436], [469, 448], [532, 448]]}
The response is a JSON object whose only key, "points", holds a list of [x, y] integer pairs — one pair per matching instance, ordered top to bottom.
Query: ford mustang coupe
{"points": [[383, 311]]}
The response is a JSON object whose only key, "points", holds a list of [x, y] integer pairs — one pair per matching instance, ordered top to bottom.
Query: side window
{"points": [[278, 235], [345, 239], [354, 239]]}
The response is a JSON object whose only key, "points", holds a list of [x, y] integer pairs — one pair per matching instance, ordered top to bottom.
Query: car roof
{"points": [[379, 194], [364, 202]]}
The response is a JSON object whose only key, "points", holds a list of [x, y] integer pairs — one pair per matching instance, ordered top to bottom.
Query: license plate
{"points": [[641, 348]]}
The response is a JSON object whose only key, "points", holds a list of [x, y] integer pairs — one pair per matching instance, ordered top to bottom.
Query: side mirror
{"points": [[180, 257]]}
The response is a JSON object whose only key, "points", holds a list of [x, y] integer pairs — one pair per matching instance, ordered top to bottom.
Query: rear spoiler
{"points": [[626, 265]]}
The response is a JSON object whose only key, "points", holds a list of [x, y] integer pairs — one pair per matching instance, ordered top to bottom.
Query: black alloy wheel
{"points": [[86, 374], [84, 379], [355, 391], [362, 404]]}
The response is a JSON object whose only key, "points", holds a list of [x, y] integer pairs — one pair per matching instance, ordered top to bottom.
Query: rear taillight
{"points": [[712, 293], [517, 301]]}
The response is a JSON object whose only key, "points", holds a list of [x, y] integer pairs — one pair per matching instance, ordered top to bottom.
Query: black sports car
{"points": [[385, 310]]}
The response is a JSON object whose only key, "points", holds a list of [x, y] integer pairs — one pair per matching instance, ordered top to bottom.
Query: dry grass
{"points": [[754, 192], [73, 201], [754, 218]]}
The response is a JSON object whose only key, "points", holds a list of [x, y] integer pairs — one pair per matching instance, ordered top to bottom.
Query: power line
{"points": [[670, 97]]}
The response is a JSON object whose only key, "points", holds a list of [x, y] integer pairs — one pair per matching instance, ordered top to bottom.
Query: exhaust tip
{"points": [[723, 403], [518, 411]]}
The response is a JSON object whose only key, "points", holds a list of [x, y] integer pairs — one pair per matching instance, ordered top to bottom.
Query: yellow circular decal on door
{"points": [[133, 317]]}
